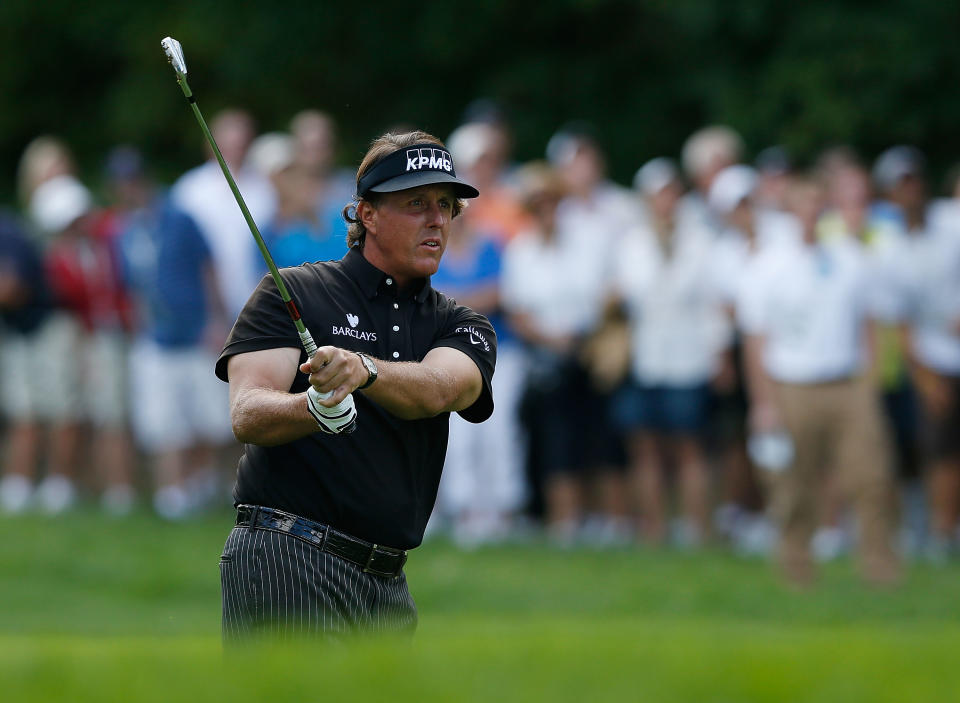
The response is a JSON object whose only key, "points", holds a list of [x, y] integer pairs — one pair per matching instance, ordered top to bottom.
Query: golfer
{"points": [[324, 520]]}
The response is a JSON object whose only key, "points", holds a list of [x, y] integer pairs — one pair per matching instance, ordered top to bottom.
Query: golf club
{"points": [[342, 417]]}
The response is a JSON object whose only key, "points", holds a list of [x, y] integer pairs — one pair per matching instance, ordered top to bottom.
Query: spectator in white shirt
{"points": [[204, 195], [592, 199], [733, 200], [852, 215], [921, 259], [662, 276], [553, 290], [805, 310], [935, 353]]}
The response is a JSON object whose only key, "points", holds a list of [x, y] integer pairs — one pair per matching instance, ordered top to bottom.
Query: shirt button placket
{"points": [[394, 339]]}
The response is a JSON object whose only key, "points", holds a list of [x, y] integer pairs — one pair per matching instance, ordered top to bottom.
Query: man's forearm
{"points": [[445, 381], [412, 390], [261, 413], [268, 417]]}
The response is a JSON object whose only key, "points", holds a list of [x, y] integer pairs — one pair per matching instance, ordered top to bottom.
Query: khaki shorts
{"points": [[61, 373], [179, 400]]}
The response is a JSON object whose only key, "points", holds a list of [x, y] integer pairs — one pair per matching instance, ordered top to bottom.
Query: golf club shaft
{"points": [[305, 337]]}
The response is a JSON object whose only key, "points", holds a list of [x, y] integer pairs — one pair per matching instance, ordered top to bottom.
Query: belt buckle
{"points": [[389, 552], [373, 553]]}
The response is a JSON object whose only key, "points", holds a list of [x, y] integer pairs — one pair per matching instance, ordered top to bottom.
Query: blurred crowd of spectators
{"points": [[754, 355]]}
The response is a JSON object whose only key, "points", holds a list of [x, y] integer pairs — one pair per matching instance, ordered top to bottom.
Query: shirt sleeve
{"points": [[264, 323], [472, 333]]}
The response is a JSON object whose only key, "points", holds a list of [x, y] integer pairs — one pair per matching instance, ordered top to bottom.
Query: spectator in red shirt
{"points": [[90, 326]]}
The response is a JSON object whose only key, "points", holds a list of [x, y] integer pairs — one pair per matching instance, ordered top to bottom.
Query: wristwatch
{"points": [[371, 369]]}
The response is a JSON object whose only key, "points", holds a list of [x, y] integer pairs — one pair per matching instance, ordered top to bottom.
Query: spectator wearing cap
{"points": [[490, 113], [482, 152], [575, 152], [706, 153], [773, 167], [899, 174], [203, 194], [850, 214], [746, 229], [298, 232], [929, 252], [919, 259], [168, 268], [662, 277], [553, 290], [805, 309], [24, 314], [91, 321]]}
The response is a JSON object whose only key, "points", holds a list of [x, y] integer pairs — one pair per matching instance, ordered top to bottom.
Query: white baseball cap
{"points": [[469, 142], [270, 153], [896, 163], [655, 175], [730, 187], [57, 203]]}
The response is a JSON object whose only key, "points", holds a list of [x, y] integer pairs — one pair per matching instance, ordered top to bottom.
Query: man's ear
{"points": [[367, 215]]}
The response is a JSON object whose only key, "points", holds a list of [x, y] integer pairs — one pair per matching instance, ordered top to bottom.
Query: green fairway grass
{"points": [[99, 610]]}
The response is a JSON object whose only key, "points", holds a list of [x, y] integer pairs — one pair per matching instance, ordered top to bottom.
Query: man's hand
{"points": [[336, 371], [340, 419]]}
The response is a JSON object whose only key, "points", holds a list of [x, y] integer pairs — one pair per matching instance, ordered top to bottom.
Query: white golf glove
{"points": [[340, 419]]}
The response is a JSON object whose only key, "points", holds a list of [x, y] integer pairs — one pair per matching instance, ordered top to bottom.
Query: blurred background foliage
{"points": [[647, 73]]}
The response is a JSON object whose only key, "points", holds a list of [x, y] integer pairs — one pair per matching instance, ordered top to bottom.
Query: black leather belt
{"points": [[372, 558]]}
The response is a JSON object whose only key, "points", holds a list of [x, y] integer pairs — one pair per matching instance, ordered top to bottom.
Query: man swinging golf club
{"points": [[324, 521]]}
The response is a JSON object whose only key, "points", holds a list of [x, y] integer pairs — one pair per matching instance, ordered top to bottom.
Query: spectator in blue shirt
{"points": [[179, 409]]}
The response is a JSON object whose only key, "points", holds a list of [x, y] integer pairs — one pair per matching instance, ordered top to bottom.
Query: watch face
{"points": [[370, 367]]}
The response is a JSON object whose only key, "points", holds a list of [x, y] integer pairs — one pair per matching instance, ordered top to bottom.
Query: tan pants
{"points": [[838, 431]]}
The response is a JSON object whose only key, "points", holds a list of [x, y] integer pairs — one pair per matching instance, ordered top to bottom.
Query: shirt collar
{"points": [[370, 278]]}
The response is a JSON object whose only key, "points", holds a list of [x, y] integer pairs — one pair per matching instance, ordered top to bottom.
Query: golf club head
{"points": [[174, 52]]}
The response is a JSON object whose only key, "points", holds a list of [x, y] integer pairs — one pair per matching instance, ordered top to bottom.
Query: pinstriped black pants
{"points": [[275, 584]]}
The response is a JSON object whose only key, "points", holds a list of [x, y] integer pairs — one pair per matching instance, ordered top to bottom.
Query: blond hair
{"points": [[709, 146], [44, 158]]}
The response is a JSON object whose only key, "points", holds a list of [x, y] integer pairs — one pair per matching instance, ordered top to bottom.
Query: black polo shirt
{"points": [[379, 482]]}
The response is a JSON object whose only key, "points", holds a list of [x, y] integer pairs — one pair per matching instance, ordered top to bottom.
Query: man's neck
{"points": [[405, 284]]}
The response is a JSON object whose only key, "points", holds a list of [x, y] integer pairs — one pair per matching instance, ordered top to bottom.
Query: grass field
{"points": [[96, 610]]}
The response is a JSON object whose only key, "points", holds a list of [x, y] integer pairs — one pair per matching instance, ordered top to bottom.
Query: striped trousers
{"points": [[276, 585]]}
